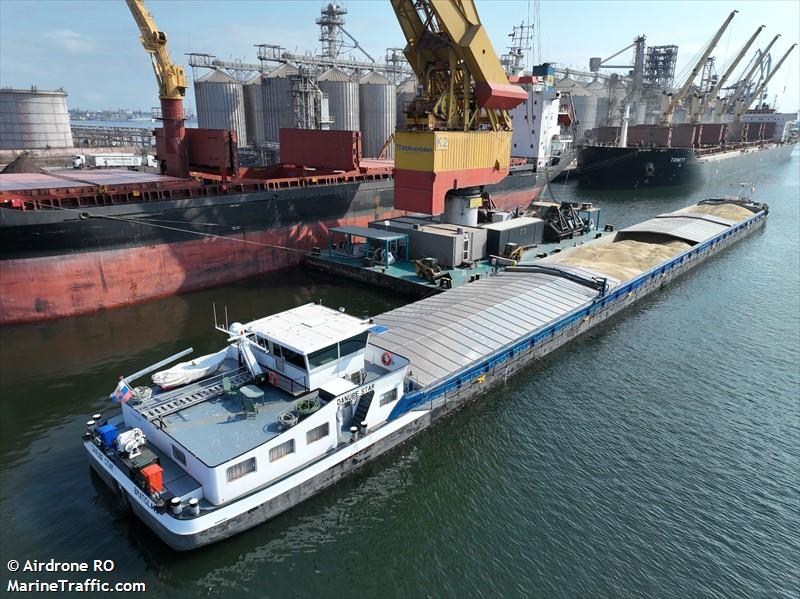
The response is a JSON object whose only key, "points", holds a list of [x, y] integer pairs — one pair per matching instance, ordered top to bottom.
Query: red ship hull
{"points": [[81, 281]]}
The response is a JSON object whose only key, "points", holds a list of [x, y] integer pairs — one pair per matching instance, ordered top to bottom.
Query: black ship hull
{"points": [[608, 167]]}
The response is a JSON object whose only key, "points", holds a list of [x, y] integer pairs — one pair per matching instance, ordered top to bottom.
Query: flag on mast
{"points": [[122, 393]]}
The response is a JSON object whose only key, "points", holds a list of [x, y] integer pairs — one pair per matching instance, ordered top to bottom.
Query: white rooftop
{"points": [[307, 328]]}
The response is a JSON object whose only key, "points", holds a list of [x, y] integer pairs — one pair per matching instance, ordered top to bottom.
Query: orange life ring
{"points": [[386, 358], [273, 379]]}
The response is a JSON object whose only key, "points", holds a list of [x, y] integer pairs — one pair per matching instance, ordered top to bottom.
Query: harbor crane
{"points": [[744, 82], [171, 90], [711, 96], [677, 98], [740, 108], [458, 129]]}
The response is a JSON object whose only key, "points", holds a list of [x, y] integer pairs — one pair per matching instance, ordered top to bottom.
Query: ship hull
{"points": [[606, 167], [59, 263]]}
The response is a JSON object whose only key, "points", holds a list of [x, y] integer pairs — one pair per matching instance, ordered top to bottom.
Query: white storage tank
{"points": [[220, 104], [343, 105], [254, 110], [377, 112], [278, 113], [33, 119]]}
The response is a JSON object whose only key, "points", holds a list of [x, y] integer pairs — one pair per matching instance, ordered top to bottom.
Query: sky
{"points": [[91, 48]]}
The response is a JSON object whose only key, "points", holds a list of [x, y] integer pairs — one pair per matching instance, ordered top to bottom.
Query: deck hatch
{"points": [[443, 334]]}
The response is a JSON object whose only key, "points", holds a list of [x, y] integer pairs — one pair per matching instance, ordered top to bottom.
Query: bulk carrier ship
{"points": [[720, 139], [685, 154], [72, 243]]}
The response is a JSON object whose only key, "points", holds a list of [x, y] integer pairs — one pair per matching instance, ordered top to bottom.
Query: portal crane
{"points": [[744, 82], [171, 90], [711, 96], [741, 107], [666, 117], [458, 133]]}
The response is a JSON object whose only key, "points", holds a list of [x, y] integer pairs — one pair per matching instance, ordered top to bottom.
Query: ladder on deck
{"points": [[174, 401]]}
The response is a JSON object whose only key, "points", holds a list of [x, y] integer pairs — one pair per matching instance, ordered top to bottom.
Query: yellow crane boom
{"points": [[171, 77], [458, 129], [170, 140]]}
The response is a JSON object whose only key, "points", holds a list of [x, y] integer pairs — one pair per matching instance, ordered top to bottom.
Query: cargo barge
{"points": [[73, 243], [305, 397]]}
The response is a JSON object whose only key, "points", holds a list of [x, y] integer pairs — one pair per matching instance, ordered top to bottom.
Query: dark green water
{"points": [[657, 457]]}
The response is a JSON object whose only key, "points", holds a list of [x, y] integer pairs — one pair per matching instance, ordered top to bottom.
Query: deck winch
{"points": [[130, 442]]}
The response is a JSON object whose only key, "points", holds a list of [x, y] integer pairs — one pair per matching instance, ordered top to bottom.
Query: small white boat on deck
{"points": [[189, 372]]}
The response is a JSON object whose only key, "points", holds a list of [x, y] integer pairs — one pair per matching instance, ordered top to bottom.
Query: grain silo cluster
{"points": [[328, 90]]}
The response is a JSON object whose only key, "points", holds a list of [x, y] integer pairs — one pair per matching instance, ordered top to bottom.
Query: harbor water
{"points": [[659, 456]]}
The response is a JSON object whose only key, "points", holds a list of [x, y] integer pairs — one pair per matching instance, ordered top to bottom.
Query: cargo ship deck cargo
{"points": [[72, 243], [302, 398]]}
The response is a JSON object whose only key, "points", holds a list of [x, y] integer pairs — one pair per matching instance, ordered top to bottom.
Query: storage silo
{"points": [[567, 84], [597, 87], [406, 92], [342, 94], [585, 103], [603, 103], [220, 104], [254, 110], [377, 112], [278, 113], [585, 113], [34, 119]]}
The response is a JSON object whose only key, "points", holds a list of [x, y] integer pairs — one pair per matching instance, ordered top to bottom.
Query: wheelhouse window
{"points": [[262, 343], [354, 344], [291, 356], [323, 356], [315, 434], [281, 451], [239, 470]]}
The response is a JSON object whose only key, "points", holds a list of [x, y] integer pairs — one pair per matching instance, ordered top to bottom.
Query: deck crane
{"points": [[744, 82], [171, 90], [711, 96], [741, 107], [666, 116], [458, 129]]}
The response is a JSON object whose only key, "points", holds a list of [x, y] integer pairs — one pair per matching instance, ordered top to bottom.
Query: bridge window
{"points": [[262, 343], [354, 344], [291, 356], [323, 356], [239, 470]]}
